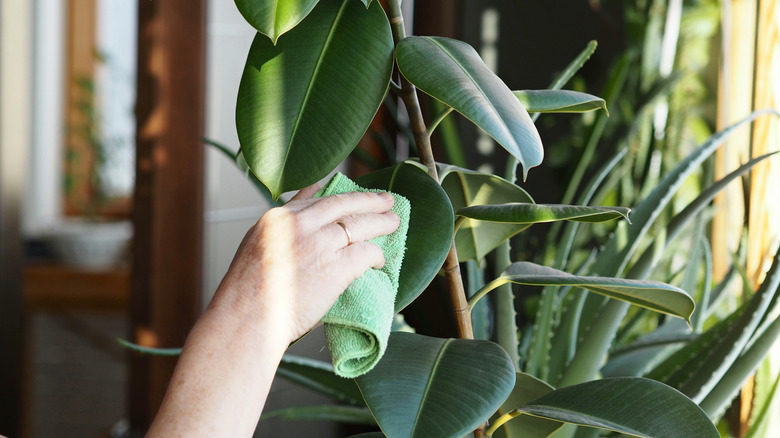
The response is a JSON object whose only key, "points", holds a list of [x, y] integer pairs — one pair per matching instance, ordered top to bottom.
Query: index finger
{"points": [[307, 192], [333, 207]]}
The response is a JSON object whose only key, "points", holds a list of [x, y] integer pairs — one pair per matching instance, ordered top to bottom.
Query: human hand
{"points": [[295, 261]]}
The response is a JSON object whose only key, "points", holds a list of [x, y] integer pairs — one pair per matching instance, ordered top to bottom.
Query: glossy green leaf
{"points": [[274, 17], [452, 72], [559, 101], [305, 103], [465, 188], [527, 213], [430, 226], [653, 295], [318, 376], [431, 387], [527, 388], [631, 405], [342, 414]]}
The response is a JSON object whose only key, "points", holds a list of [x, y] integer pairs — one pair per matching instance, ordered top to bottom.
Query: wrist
{"points": [[257, 314]]}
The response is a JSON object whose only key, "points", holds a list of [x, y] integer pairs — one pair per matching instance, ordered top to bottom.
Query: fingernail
{"points": [[387, 196]]}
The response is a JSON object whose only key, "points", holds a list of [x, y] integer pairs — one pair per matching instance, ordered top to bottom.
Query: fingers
{"points": [[307, 192], [332, 208], [361, 227], [360, 256]]}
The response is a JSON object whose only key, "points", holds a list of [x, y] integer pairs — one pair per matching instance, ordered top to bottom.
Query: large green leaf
{"points": [[274, 17], [452, 72], [559, 101], [304, 103], [465, 188], [527, 213], [430, 225], [653, 295], [318, 376], [431, 387], [527, 388], [630, 405]]}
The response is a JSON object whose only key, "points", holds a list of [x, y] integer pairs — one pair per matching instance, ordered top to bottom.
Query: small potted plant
{"points": [[94, 233]]}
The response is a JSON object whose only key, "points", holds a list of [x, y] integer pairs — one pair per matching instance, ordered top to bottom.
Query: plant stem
{"points": [[460, 305], [461, 309]]}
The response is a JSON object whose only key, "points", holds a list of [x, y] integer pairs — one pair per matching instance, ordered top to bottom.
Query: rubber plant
{"points": [[315, 76]]}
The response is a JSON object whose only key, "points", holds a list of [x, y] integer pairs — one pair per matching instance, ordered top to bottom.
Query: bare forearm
{"points": [[289, 270], [224, 374]]}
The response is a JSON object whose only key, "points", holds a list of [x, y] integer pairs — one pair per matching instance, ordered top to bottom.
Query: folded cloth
{"points": [[358, 325]]}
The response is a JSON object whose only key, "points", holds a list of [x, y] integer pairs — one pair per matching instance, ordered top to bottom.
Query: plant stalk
{"points": [[460, 305]]}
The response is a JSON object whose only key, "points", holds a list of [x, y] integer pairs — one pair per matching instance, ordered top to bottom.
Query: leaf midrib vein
{"points": [[476, 85], [306, 96], [430, 380]]}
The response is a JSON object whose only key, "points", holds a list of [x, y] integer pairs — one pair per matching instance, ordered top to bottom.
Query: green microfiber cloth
{"points": [[358, 325]]}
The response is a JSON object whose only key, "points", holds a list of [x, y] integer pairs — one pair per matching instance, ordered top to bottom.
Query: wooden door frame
{"points": [[168, 202]]}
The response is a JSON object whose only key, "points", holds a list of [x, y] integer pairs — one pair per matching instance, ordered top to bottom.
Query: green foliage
{"points": [[275, 17], [452, 72], [315, 76], [564, 101], [290, 134], [466, 188], [430, 226], [653, 295], [436, 387], [628, 405]]}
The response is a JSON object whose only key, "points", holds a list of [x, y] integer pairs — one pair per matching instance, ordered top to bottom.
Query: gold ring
{"points": [[346, 230]]}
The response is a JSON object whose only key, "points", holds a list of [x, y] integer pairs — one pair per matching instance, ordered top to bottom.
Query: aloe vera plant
{"points": [[315, 76]]}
